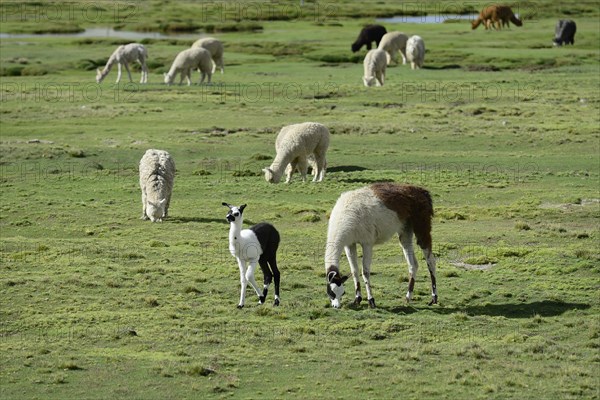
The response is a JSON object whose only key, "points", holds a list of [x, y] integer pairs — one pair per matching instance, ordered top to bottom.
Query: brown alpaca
{"points": [[496, 16]]}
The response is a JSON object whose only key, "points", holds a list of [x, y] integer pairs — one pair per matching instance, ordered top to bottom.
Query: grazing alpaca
{"points": [[496, 16], [564, 32], [368, 34], [392, 43], [215, 47], [415, 52], [124, 55], [188, 60], [374, 66], [294, 145], [157, 175], [370, 216], [249, 246]]}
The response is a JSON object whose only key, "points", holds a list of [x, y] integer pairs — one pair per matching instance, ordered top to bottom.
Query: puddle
{"points": [[428, 19], [102, 33]]}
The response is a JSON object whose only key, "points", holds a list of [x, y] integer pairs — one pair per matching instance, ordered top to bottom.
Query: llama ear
{"points": [[161, 202], [226, 205], [242, 207], [330, 276], [344, 278]]}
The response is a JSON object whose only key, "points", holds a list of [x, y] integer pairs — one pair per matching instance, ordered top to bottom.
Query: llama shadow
{"points": [[449, 66], [346, 168], [364, 180], [185, 220], [545, 308]]}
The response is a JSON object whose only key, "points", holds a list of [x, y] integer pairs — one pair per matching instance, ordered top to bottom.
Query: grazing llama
{"points": [[496, 16], [124, 55], [370, 216], [249, 246]]}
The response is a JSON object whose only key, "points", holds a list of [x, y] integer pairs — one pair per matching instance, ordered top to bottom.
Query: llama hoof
{"points": [[261, 299], [357, 300], [433, 301], [276, 303], [372, 303], [240, 306]]}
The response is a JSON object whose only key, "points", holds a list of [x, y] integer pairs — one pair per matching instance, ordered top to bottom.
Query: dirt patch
{"points": [[474, 267]]}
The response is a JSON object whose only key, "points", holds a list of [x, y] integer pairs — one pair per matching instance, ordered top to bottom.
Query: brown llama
{"points": [[496, 16]]}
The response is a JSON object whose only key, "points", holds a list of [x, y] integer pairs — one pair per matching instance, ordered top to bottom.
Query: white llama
{"points": [[124, 55], [370, 216], [249, 246]]}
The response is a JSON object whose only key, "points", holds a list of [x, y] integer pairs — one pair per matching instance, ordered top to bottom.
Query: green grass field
{"points": [[501, 128]]}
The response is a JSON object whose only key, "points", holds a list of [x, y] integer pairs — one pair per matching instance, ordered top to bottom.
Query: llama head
{"points": [[355, 47], [99, 75], [168, 78], [369, 81], [270, 175], [156, 211], [235, 213], [335, 286]]}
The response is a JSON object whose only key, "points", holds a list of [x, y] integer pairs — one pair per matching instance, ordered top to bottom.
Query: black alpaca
{"points": [[564, 32], [369, 34], [249, 246]]}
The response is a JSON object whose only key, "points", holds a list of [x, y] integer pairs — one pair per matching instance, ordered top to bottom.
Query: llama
{"points": [[496, 16], [564, 32], [368, 34], [392, 43], [215, 47], [415, 52], [124, 55], [188, 60], [374, 66], [294, 144], [157, 175], [370, 216], [249, 246]]}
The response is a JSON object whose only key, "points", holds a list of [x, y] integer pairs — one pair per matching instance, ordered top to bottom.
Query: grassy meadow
{"points": [[500, 127]]}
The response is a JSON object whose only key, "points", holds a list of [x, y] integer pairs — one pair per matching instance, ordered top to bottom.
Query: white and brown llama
{"points": [[124, 55], [370, 216], [259, 244]]}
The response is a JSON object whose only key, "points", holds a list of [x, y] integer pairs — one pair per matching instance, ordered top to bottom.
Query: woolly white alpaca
{"points": [[392, 43], [215, 47], [415, 51], [124, 55], [188, 60], [374, 67], [294, 144], [157, 175], [370, 216], [249, 246]]}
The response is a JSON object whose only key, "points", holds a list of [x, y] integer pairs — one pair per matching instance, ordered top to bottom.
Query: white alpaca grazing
{"points": [[392, 43], [215, 47], [415, 52], [124, 55], [188, 60], [374, 68], [294, 144], [157, 175], [370, 216], [249, 246]]}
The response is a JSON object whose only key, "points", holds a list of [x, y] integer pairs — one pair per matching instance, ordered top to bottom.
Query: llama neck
{"points": [[109, 64], [279, 165], [235, 228], [333, 251]]}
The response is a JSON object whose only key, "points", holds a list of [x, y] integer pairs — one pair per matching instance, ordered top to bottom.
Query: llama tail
{"points": [[421, 220]]}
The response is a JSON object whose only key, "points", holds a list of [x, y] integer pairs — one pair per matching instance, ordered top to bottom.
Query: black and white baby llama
{"points": [[249, 246]]}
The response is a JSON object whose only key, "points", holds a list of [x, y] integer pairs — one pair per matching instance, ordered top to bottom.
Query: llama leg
{"points": [[403, 53], [128, 71], [118, 72], [144, 72], [303, 167], [290, 169], [320, 170], [144, 216], [406, 240], [352, 256], [431, 266], [366, 272], [267, 277], [250, 278], [276, 278], [243, 282]]}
